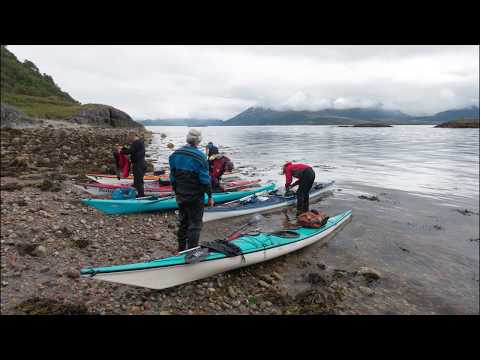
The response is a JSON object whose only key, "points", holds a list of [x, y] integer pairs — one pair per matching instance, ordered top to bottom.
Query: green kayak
{"points": [[112, 207], [255, 248]]}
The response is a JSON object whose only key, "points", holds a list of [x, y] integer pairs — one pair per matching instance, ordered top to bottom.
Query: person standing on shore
{"points": [[136, 150], [122, 163], [306, 176], [190, 181]]}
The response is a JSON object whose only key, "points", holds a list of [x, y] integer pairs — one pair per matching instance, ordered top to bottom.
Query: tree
{"points": [[31, 65]]}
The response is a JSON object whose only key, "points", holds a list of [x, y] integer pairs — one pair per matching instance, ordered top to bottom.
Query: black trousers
{"points": [[139, 170], [306, 182], [191, 222]]}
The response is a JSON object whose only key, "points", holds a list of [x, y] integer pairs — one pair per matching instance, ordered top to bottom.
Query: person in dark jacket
{"points": [[209, 148], [136, 150], [218, 164], [306, 176], [190, 181]]}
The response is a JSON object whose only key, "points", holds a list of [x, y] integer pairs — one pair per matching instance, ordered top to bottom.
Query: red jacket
{"points": [[123, 164], [217, 168], [293, 170]]}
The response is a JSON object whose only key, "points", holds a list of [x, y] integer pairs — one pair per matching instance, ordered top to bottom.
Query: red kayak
{"points": [[98, 189]]}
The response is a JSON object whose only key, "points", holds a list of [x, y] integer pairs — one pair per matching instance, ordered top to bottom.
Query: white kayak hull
{"points": [[161, 278]]}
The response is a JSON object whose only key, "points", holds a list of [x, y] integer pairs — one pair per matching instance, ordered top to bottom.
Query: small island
{"points": [[460, 123], [371, 125]]}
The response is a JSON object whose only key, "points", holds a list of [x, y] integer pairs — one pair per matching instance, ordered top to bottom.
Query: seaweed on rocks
{"points": [[43, 306]]}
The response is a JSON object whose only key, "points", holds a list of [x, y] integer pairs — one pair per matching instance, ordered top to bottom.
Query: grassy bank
{"points": [[50, 107]]}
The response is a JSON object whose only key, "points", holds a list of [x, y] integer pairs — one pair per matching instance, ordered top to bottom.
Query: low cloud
{"points": [[221, 81]]}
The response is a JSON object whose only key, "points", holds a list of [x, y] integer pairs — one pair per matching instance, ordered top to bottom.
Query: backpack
{"points": [[124, 194], [312, 219]]}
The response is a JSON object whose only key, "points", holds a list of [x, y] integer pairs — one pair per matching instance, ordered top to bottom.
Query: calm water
{"points": [[422, 176]]}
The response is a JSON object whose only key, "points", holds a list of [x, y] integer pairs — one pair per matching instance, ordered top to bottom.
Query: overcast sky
{"points": [[221, 81]]}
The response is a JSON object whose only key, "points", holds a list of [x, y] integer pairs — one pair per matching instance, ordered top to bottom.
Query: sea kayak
{"points": [[149, 180], [98, 189], [168, 203], [258, 204], [173, 271]]}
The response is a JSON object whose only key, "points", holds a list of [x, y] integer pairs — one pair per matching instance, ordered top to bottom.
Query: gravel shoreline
{"points": [[47, 235]]}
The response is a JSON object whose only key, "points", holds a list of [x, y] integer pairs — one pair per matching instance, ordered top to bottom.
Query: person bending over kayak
{"points": [[136, 150], [218, 164], [306, 176], [190, 181]]}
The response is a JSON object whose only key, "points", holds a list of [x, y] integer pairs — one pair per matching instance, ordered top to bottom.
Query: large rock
{"points": [[104, 115], [10, 117]]}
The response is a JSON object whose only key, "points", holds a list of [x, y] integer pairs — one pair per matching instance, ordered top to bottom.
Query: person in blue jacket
{"points": [[190, 181]]}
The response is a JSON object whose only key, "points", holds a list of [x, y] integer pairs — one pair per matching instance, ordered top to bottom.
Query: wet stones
{"points": [[48, 185], [11, 186], [370, 198], [157, 236], [80, 243], [24, 248], [39, 251], [72, 273], [368, 273], [277, 276], [316, 279], [263, 283], [366, 291], [231, 292]]}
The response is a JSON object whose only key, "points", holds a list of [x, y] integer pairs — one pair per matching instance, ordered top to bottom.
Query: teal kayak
{"points": [[137, 206], [255, 248]]}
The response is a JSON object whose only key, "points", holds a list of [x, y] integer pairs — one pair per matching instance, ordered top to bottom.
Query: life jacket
{"points": [[312, 219]]}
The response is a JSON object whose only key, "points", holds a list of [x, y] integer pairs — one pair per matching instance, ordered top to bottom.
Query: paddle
{"points": [[248, 197], [155, 199], [253, 220]]}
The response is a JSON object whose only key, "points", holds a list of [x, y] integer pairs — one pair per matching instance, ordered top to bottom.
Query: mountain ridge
{"points": [[351, 116]]}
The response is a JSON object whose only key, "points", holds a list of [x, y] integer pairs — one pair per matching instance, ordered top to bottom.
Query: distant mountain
{"points": [[451, 115], [263, 116], [182, 122]]}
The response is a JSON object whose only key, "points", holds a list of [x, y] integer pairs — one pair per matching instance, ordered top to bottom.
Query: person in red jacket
{"points": [[122, 163], [218, 164], [306, 176]]}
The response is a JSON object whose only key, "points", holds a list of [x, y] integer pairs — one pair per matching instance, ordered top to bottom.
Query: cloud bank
{"points": [[221, 81]]}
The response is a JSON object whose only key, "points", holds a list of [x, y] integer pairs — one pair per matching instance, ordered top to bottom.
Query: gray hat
{"points": [[194, 137]]}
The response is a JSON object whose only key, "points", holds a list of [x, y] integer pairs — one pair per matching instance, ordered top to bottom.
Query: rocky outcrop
{"points": [[104, 115], [10, 117], [460, 123], [45, 150]]}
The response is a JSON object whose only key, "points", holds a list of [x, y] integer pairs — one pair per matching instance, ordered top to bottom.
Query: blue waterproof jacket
{"points": [[189, 174]]}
